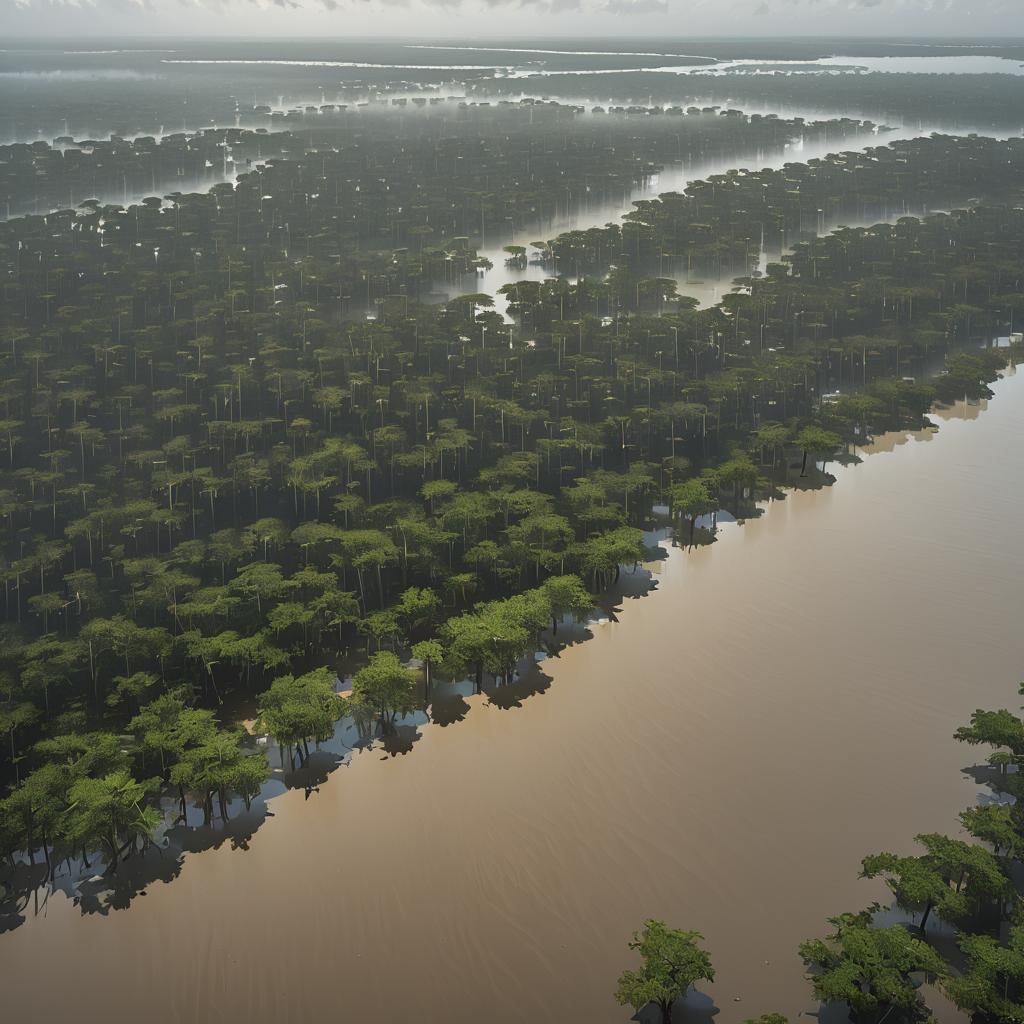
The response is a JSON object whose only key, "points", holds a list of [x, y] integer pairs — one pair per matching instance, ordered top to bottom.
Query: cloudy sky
{"points": [[523, 18]]}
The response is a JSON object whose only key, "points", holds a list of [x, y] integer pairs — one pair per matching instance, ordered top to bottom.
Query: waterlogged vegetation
{"points": [[408, 174], [39, 177], [728, 225], [278, 482], [217, 487], [876, 967]]}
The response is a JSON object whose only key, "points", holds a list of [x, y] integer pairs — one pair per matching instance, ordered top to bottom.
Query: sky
{"points": [[523, 18]]}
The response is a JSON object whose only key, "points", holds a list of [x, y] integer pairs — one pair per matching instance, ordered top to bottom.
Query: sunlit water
{"points": [[961, 65], [721, 755]]}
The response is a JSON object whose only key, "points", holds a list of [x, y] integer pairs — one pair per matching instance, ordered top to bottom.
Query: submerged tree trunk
{"points": [[115, 853], [924, 916]]}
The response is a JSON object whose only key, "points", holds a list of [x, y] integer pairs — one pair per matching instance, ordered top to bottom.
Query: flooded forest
{"points": [[511, 534]]}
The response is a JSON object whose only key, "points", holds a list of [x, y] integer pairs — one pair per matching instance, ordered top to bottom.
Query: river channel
{"points": [[720, 754]]}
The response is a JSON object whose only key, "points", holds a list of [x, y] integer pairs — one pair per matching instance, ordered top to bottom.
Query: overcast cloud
{"points": [[521, 18]]}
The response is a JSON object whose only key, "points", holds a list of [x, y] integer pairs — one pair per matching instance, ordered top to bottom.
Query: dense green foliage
{"points": [[673, 961], [870, 968]]}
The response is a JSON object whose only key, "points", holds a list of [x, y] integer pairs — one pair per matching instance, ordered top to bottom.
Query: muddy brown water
{"points": [[721, 757]]}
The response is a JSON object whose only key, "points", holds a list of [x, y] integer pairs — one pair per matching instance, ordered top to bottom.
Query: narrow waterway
{"points": [[673, 178], [720, 755]]}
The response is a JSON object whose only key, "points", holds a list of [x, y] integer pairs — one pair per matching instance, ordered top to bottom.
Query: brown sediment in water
{"points": [[722, 756]]}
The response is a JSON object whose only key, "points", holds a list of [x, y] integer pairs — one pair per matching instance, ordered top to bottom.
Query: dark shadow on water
{"points": [[848, 459], [815, 480], [776, 492], [750, 512], [702, 537], [657, 551], [632, 583], [568, 635], [532, 684], [447, 709], [399, 740], [313, 772], [987, 775], [237, 831], [94, 890], [100, 894], [20, 895], [694, 1008], [830, 1013]]}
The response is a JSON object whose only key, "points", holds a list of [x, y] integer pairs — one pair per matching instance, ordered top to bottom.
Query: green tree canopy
{"points": [[815, 440], [384, 686], [297, 709], [954, 878], [673, 962], [870, 968], [991, 987]]}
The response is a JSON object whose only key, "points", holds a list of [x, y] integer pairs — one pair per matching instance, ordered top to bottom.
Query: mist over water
{"points": [[187, 81]]}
